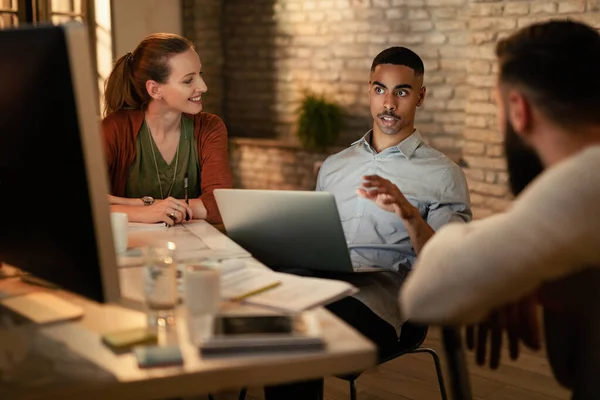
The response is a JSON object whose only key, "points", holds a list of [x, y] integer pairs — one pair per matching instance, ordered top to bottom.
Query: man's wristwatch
{"points": [[148, 201]]}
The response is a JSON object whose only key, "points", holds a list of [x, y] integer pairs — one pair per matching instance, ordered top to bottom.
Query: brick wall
{"points": [[202, 24], [276, 49], [267, 52], [482, 149], [273, 164]]}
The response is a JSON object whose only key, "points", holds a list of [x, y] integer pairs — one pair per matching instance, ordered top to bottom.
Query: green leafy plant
{"points": [[319, 122]]}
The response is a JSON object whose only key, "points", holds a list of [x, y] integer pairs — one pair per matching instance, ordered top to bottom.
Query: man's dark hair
{"points": [[400, 56], [557, 66]]}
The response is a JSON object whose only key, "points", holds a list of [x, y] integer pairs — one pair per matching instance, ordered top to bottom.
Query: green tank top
{"points": [[150, 164]]}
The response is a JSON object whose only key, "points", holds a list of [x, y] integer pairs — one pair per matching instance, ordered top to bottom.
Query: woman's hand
{"points": [[169, 210]]}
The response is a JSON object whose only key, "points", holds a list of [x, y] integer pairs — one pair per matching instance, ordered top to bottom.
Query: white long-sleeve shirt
{"points": [[551, 230]]}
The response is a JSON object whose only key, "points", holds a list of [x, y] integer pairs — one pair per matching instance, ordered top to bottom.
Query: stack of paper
{"points": [[297, 293]]}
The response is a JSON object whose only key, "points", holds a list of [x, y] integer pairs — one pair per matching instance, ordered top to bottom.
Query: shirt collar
{"points": [[407, 147]]}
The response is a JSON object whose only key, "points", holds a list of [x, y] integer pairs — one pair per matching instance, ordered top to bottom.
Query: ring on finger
{"points": [[172, 216]]}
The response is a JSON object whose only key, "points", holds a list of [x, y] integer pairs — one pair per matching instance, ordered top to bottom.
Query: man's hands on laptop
{"points": [[387, 196]]}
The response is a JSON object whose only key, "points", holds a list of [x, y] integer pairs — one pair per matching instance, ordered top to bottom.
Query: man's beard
{"points": [[524, 165]]}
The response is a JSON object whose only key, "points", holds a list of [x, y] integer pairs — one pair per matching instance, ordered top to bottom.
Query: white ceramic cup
{"points": [[119, 222], [201, 289]]}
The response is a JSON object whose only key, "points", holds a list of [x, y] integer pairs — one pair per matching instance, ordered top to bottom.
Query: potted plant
{"points": [[319, 123]]}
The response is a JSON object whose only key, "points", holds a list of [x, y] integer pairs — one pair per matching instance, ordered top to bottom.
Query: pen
{"points": [[187, 201], [257, 291]]}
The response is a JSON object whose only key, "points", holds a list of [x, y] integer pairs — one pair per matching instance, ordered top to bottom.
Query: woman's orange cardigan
{"points": [[120, 130]]}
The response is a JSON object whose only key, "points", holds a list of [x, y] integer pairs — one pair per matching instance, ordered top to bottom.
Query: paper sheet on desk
{"points": [[138, 226], [198, 240], [194, 241], [188, 245], [133, 258], [243, 282], [296, 293]]}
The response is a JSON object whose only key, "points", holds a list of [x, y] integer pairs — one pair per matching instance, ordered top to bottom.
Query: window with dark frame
{"points": [[18, 12], [10, 13], [14, 13]]}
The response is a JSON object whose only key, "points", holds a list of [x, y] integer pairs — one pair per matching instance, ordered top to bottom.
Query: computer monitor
{"points": [[55, 217]]}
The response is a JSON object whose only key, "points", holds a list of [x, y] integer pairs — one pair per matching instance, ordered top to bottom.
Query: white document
{"points": [[139, 226], [215, 240], [194, 241], [188, 246], [246, 282], [298, 293]]}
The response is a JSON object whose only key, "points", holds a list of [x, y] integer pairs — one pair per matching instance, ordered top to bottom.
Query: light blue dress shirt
{"points": [[427, 178]]}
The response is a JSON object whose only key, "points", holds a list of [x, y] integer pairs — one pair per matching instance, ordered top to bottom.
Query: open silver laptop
{"points": [[287, 228]]}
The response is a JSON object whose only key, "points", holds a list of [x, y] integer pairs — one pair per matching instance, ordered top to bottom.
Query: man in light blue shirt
{"points": [[392, 191]]}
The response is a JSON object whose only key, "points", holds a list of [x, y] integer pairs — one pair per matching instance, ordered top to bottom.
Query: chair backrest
{"points": [[572, 331], [413, 333], [412, 336]]}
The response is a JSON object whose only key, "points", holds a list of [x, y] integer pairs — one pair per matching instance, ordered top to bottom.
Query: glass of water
{"points": [[161, 283]]}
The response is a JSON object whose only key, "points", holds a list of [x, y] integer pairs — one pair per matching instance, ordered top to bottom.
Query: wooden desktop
{"points": [[347, 351]]}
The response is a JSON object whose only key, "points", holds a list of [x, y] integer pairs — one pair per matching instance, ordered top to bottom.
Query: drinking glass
{"points": [[161, 283]]}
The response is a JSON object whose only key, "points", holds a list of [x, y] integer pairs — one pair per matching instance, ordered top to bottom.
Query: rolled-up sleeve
{"points": [[453, 203]]}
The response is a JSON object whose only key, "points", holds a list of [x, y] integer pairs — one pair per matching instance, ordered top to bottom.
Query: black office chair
{"points": [[411, 339]]}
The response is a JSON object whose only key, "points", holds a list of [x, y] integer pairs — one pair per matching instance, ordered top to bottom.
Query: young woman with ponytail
{"points": [[160, 147]]}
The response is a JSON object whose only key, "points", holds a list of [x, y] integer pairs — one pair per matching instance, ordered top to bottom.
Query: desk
{"points": [[347, 351]]}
